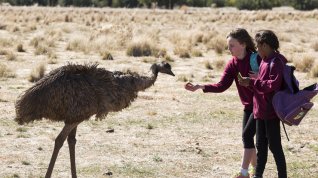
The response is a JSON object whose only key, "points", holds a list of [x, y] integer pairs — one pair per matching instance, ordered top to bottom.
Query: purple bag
{"points": [[291, 104]]}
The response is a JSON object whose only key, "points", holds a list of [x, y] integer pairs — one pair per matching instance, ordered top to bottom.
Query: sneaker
{"points": [[252, 171], [239, 175]]}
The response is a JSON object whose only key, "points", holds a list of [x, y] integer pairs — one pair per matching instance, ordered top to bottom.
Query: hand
{"points": [[253, 75], [244, 81], [189, 86]]}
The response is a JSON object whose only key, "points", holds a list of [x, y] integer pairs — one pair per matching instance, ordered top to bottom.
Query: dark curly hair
{"points": [[242, 36], [268, 37]]}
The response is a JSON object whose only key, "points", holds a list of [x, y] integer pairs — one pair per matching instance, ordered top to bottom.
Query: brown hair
{"points": [[242, 36]]}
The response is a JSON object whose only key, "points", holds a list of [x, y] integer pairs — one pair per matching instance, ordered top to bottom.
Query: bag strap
{"points": [[253, 62], [270, 68], [285, 131]]}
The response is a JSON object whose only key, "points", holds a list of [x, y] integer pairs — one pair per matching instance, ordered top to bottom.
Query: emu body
{"points": [[74, 93]]}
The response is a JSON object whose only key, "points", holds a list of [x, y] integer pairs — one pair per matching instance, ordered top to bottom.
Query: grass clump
{"points": [[79, 44], [218, 44], [315, 45], [20, 48], [143, 48], [41, 49], [182, 52], [196, 53], [106, 55], [10, 56], [218, 64], [305, 64], [208, 65], [314, 71], [5, 72], [37, 73], [149, 127], [22, 129], [26, 163]]}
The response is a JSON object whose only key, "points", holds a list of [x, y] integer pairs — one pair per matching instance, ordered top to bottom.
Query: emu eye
{"points": [[166, 65]]}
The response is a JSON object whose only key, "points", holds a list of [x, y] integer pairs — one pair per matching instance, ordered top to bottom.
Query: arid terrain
{"points": [[167, 132]]}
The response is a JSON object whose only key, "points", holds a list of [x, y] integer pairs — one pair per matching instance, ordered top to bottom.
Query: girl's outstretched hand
{"points": [[189, 86]]}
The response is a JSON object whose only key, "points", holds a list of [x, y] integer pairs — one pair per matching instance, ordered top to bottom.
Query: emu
{"points": [[73, 93]]}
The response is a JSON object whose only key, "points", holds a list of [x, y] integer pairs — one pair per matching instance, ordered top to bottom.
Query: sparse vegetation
{"points": [[218, 44], [315, 45], [20, 48], [142, 48], [182, 51], [196, 53], [106, 55], [10, 56], [218, 64], [305, 64], [208, 65], [314, 71], [5, 72], [37, 73], [149, 126], [167, 132], [26, 163]]}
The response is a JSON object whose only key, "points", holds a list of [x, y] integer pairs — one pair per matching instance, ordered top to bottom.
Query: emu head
{"points": [[162, 67]]}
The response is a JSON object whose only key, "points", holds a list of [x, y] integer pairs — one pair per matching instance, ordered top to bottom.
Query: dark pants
{"points": [[249, 129], [268, 135]]}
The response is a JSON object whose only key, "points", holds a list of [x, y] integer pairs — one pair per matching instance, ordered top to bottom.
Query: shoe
{"points": [[252, 171], [239, 175]]}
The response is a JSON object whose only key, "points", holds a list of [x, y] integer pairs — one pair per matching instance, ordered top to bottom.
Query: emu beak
{"points": [[170, 73]]}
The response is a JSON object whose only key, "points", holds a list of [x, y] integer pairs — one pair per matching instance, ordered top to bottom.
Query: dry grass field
{"points": [[167, 132]]}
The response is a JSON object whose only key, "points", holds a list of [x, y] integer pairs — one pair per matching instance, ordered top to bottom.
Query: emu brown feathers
{"points": [[74, 93]]}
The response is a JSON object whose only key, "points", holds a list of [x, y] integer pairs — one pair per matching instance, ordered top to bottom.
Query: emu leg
{"points": [[71, 139], [58, 145]]}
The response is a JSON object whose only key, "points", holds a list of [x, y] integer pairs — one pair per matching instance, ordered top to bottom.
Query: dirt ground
{"points": [[167, 132]]}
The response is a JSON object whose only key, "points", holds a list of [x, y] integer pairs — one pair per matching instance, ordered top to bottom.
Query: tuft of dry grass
{"points": [[198, 38], [6, 42], [78, 44], [218, 44], [315, 45], [20, 48], [142, 48], [41, 49], [182, 51], [3, 52], [196, 53], [106, 55], [10, 56], [168, 58], [218, 64], [305, 64], [208, 65], [314, 71], [5, 72], [37, 73], [184, 78]]}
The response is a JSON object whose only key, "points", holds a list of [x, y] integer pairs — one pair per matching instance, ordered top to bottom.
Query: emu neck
{"points": [[146, 82]]}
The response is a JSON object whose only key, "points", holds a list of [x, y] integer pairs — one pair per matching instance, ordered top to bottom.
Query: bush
{"points": [[252, 4], [144, 48], [305, 64], [314, 71], [5, 72], [37, 73]]}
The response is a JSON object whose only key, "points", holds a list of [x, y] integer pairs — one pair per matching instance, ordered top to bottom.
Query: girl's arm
{"points": [[225, 82], [273, 83]]}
